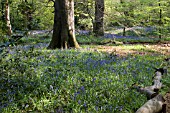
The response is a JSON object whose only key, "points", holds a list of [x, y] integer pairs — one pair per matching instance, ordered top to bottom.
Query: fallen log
{"points": [[152, 91], [149, 93], [156, 102], [154, 105]]}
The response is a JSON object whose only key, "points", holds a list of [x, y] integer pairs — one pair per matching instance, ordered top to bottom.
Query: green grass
{"points": [[34, 39], [91, 40], [108, 41], [47, 81]]}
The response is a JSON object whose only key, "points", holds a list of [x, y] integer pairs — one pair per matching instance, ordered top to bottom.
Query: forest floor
{"points": [[127, 49], [142, 49], [149, 49]]}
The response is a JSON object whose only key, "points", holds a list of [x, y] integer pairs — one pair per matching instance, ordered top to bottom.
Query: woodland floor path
{"points": [[144, 49]]}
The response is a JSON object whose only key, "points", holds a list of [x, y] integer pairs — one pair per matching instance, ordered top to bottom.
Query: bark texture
{"points": [[7, 17], [98, 26], [63, 29], [154, 105]]}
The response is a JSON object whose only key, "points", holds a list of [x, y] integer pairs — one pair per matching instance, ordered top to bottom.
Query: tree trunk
{"points": [[7, 16], [160, 20], [98, 26], [63, 29], [124, 31]]}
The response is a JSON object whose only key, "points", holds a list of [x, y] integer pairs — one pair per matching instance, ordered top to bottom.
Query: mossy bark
{"points": [[63, 30]]}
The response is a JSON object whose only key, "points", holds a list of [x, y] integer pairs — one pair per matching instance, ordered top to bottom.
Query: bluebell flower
{"points": [[93, 79], [125, 85], [82, 88], [75, 96], [79, 101], [84, 105], [96, 108], [120, 108]]}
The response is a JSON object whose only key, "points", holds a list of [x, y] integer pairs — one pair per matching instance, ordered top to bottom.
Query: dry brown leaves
{"points": [[161, 49]]}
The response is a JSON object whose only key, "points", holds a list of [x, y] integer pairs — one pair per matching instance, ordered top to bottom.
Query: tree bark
{"points": [[7, 17], [160, 20], [98, 25], [63, 30], [154, 105]]}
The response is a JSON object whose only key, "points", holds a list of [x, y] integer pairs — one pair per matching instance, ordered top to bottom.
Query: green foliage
{"points": [[139, 13], [38, 14], [44, 14], [84, 14], [31, 15], [2, 30], [31, 40], [111, 41], [39, 80]]}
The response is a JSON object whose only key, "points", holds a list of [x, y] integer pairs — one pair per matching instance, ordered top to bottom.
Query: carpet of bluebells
{"points": [[34, 79]]}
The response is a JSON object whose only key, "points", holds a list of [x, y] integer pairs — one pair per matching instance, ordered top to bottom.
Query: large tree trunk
{"points": [[7, 16], [98, 26], [63, 29]]}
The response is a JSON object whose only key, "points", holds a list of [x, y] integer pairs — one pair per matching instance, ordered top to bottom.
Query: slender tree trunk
{"points": [[126, 14], [7, 17], [160, 20], [98, 26], [63, 29], [124, 31]]}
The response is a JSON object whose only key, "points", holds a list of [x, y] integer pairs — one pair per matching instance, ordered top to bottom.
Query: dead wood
{"points": [[147, 91], [152, 91], [156, 102], [154, 105]]}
